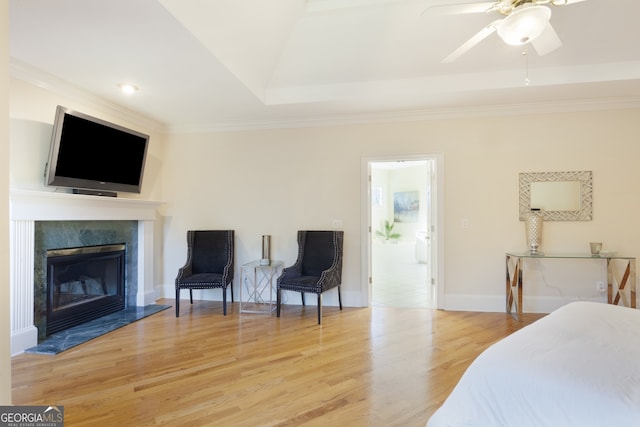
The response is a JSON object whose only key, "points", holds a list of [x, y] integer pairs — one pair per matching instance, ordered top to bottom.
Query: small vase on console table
{"points": [[533, 227]]}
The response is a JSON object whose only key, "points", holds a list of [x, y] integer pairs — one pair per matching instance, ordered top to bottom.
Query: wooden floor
{"points": [[375, 366]]}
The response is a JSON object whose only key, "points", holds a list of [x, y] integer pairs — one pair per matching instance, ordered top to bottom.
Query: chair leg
{"points": [[231, 286], [191, 295], [302, 296], [339, 297], [278, 300], [224, 301], [177, 302], [319, 309]]}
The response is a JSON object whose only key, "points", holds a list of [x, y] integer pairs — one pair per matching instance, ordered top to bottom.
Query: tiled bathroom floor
{"points": [[398, 279]]}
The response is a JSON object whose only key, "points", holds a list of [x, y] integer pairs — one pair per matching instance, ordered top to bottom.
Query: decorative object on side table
{"points": [[533, 224], [596, 248], [266, 250]]}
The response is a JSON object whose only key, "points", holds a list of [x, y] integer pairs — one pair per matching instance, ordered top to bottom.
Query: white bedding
{"points": [[578, 366]]}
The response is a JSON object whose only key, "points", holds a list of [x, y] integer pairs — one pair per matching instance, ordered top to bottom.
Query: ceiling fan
{"points": [[524, 21]]}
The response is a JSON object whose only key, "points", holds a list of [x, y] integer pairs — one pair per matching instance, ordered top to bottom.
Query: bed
{"points": [[578, 366]]}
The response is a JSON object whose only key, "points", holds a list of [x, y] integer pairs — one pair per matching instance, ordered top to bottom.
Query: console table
{"points": [[257, 279], [621, 279]]}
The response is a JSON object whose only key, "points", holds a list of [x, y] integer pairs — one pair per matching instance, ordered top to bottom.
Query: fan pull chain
{"points": [[525, 53]]}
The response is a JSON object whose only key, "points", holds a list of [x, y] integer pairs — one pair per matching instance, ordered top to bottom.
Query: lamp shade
{"points": [[526, 23]]}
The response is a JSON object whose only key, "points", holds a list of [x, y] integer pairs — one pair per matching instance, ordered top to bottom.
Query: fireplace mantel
{"points": [[53, 206], [27, 207]]}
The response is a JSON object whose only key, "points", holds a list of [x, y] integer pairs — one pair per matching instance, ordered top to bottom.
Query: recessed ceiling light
{"points": [[127, 88]]}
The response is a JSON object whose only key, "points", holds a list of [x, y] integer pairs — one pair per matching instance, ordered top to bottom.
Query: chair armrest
{"points": [[184, 271], [290, 272], [227, 273], [332, 276]]}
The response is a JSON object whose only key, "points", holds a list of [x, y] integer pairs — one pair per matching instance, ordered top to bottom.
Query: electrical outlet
{"points": [[337, 223], [601, 286]]}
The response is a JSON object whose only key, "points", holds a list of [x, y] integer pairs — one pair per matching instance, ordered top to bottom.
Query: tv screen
{"points": [[88, 153]]}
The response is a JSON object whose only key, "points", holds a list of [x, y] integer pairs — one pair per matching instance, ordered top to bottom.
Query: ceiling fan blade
{"points": [[461, 8], [481, 35], [547, 42]]}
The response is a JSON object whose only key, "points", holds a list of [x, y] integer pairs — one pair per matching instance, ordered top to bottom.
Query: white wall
{"points": [[278, 181], [5, 325]]}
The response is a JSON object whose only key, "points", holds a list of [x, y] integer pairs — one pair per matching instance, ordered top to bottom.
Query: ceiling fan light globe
{"points": [[524, 24]]}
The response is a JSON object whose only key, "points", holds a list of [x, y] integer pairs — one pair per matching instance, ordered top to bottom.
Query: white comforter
{"points": [[578, 366]]}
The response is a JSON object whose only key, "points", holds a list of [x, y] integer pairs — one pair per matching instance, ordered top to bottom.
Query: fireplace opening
{"points": [[83, 284]]}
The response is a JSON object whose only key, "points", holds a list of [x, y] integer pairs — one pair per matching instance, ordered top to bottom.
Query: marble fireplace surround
{"points": [[27, 207]]}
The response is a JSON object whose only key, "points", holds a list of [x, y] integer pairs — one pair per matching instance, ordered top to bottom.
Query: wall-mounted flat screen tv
{"points": [[88, 153]]}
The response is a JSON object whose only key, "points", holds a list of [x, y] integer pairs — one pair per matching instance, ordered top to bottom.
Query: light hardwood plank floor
{"points": [[378, 366]]}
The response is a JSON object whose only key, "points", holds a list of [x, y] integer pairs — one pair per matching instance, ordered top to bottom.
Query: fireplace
{"points": [[43, 220], [84, 283]]}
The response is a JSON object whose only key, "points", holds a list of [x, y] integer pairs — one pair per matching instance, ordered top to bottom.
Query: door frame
{"points": [[437, 215]]}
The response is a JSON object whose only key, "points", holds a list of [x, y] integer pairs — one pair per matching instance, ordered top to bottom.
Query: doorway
{"points": [[402, 228]]}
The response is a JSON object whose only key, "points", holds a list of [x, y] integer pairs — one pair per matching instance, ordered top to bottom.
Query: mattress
{"points": [[578, 366]]}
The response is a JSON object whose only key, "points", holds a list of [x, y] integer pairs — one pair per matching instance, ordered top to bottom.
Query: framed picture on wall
{"points": [[376, 196], [406, 205]]}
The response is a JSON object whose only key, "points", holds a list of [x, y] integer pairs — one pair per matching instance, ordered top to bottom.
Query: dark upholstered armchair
{"points": [[209, 264], [317, 269]]}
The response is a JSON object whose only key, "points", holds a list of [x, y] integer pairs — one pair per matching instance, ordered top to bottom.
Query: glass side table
{"points": [[621, 277], [259, 283]]}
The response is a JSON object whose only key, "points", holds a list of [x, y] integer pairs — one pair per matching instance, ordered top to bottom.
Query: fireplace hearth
{"points": [[84, 283]]}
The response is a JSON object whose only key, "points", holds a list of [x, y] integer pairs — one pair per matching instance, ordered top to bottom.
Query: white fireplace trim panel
{"points": [[27, 207]]}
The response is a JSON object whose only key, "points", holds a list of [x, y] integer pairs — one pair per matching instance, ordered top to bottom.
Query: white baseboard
{"points": [[146, 298], [329, 299], [452, 302], [483, 303], [497, 303], [24, 339]]}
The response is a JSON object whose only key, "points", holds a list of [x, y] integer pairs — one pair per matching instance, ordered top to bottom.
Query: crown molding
{"points": [[38, 78], [569, 106]]}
